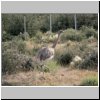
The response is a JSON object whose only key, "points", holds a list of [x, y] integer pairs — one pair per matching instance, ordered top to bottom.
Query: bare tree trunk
{"points": [[75, 20], [24, 24], [50, 24]]}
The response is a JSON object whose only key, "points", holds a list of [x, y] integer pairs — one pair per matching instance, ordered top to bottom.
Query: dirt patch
{"points": [[62, 77]]}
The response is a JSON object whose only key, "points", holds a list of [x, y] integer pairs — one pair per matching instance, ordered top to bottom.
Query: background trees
{"points": [[13, 24]]}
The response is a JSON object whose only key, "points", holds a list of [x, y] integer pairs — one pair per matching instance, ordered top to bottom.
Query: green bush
{"points": [[89, 31], [71, 34], [6, 36], [23, 36], [38, 36], [19, 46], [34, 51], [13, 56], [63, 58], [12, 62], [90, 62], [8, 63], [52, 65], [90, 81]]}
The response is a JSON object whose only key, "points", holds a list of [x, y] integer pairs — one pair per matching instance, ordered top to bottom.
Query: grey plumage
{"points": [[46, 53]]}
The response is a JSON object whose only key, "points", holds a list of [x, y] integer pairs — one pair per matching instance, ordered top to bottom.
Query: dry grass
{"points": [[62, 77]]}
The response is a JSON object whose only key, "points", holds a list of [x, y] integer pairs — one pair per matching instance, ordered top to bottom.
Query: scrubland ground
{"points": [[60, 71], [62, 77]]}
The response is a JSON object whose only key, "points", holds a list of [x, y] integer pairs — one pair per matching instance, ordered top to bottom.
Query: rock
{"points": [[77, 59], [72, 63]]}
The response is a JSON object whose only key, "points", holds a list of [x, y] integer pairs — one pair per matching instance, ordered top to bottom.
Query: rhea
{"points": [[47, 53]]}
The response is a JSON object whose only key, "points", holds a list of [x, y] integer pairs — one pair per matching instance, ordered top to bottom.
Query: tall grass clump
{"points": [[89, 31], [71, 34], [6, 36], [23, 36], [38, 37], [20, 46], [14, 56], [63, 57], [91, 61], [8, 62], [13, 62], [52, 65], [90, 81]]}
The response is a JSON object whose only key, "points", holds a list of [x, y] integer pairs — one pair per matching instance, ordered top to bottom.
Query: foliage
{"points": [[12, 24], [89, 31], [72, 35], [6, 36], [24, 36], [38, 37], [13, 55], [64, 57], [13, 61], [90, 62], [7, 63], [52, 65], [90, 81]]}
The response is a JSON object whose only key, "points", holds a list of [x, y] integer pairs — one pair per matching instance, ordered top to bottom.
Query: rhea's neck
{"points": [[55, 43]]}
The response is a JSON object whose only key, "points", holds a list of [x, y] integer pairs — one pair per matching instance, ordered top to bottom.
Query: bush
{"points": [[89, 31], [72, 35], [6, 36], [23, 36], [38, 37], [19, 46], [34, 51], [14, 57], [64, 58], [12, 62], [90, 62], [8, 63], [52, 65], [90, 81]]}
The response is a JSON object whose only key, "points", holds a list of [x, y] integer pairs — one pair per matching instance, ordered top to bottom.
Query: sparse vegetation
{"points": [[89, 31], [72, 35], [64, 57], [13, 62], [90, 62], [20, 65], [52, 65], [90, 81]]}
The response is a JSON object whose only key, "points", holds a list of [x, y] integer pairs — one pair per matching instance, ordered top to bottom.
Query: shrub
{"points": [[89, 31], [72, 35], [6, 36], [23, 36], [38, 37], [19, 46], [82, 46], [34, 51], [14, 57], [63, 58], [12, 62], [90, 62], [8, 63], [51, 65], [90, 81]]}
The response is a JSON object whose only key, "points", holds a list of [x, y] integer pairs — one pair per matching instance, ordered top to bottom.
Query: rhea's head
{"points": [[60, 32]]}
